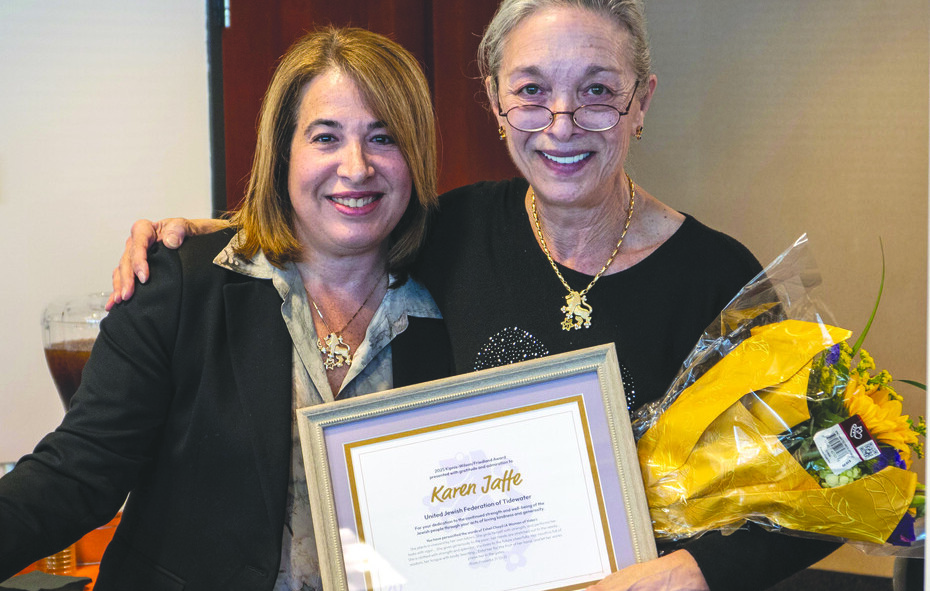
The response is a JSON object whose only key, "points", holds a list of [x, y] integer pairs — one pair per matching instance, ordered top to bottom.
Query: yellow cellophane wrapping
{"points": [[711, 461]]}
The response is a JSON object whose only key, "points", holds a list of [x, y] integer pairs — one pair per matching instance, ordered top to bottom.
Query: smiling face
{"points": [[563, 58], [348, 181]]}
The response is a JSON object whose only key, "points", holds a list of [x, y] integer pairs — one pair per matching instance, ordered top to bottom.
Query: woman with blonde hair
{"points": [[188, 401]]}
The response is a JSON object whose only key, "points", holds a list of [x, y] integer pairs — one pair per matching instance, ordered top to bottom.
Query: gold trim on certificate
{"points": [[505, 482]]}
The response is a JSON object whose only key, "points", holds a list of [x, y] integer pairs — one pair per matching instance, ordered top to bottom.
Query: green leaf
{"points": [[881, 287], [915, 384]]}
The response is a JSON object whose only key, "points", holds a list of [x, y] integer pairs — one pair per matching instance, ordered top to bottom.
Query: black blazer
{"points": [[187, 403]]}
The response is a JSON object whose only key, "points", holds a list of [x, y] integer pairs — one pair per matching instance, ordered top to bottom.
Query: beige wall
{"points": [[103, 119], [772, 119]]}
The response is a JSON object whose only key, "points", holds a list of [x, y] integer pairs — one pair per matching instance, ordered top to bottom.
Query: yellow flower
{"points": [[845, 359], [865, 360], [881, 414]]}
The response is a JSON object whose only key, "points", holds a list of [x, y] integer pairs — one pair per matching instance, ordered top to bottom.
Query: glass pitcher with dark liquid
{"points": [[69, 328]]}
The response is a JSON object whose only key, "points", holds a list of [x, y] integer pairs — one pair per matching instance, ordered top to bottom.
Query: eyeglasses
{"points": [[532, 118]]}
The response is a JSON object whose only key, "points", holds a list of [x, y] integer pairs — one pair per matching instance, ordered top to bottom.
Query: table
{"points": [[89, 551]]}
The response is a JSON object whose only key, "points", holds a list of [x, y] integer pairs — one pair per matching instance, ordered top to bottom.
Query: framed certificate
{"points": [[522, 477]]}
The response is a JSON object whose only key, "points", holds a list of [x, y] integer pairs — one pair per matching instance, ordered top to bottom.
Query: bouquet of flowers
{"points": [[776, 419]]}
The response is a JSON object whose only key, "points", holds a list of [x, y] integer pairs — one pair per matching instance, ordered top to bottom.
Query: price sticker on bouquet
{"points": [[846, 444]]}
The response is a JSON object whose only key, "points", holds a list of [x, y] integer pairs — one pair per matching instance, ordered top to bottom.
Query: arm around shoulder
{"points": [[133, 263]]}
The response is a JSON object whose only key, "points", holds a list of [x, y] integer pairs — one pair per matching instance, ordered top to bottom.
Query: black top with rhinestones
{"points": [[501, 299]]}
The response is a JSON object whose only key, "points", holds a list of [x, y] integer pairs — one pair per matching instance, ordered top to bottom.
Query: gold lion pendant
{"points": [[577, 312], [337, 353]]}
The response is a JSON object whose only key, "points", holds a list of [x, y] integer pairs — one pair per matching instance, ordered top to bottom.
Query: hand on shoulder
{"points": [[134, 261]]}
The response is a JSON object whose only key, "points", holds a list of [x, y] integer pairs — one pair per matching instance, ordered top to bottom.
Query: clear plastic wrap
{"points": [[775, 419]]}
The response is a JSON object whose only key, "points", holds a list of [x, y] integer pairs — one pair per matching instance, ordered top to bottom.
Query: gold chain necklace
{"points": [[577, 310], [337, 352]]}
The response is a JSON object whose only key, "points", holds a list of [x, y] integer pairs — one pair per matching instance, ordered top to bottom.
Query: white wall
{"points": [[103, 119]]}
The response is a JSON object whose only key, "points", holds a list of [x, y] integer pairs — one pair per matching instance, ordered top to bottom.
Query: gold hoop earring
{"points": [[502, 132], [639, 132]]}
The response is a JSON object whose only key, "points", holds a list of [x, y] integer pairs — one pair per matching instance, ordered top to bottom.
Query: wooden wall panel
{"points": [[442, 34], [252, 45], [470, 147]]}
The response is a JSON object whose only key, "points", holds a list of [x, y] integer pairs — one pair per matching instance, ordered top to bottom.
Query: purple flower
{"points": [[834, 355], [890, 457], [903, 534]]}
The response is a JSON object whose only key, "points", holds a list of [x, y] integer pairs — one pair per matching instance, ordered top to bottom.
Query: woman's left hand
{"points": [[677, 571]]}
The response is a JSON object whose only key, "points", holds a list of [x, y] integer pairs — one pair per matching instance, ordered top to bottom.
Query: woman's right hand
{"points": [[134, 262]]}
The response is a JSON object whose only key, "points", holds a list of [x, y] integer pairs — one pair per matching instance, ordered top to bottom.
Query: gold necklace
{"points": [[577, 310], [337, 352]]}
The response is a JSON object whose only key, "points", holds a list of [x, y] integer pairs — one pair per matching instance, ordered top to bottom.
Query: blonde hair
{"points": [[626, 13], [393, 86]]}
